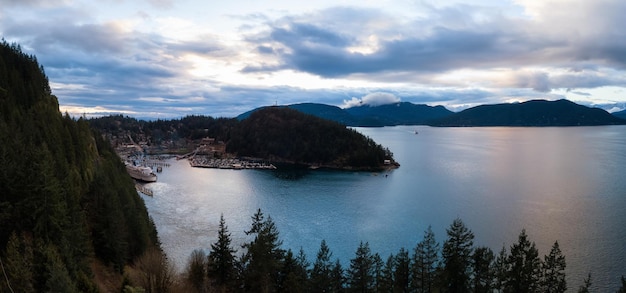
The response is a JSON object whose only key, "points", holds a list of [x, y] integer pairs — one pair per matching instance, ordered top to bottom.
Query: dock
{"points": [[237, 164], [145, 190]]}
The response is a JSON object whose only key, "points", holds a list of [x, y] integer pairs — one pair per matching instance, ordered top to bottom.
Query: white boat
{"points": [[141, 173]]}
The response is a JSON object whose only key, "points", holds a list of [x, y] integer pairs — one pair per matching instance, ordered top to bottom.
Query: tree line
{"points": [[66, 201], [456, 265]]}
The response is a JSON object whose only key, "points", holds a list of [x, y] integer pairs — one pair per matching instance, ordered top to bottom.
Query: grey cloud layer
{"points": [[450, 39], [567, 45]]}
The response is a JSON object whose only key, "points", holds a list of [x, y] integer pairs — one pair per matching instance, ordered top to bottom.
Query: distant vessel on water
{"points": [[141, 173]]}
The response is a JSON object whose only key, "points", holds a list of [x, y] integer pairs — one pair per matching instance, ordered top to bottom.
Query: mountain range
{"points": [[402, 113], [531, 113], [620, 114]]}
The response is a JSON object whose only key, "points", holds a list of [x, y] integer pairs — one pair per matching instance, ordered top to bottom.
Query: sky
{"points": [[163, 59]]}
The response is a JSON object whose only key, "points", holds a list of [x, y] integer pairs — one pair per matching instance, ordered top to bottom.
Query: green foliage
{"points": [[531, 113], [276, 134], [283, 134], [49, 167], [457, 252], [263, 259], [425, 263], [221, 264], [482, 264], [18, 265], [265, 267], [553, 269], [500, 270], [524, 271], [402, 273], [293, 274], [321, 274], [361, 275], [386, 281]]}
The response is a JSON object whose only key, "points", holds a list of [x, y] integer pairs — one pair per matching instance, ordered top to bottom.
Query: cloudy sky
{"points": [[170, 58]]}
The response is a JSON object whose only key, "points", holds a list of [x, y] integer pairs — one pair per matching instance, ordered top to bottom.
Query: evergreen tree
{"points": [[49, 190], [457, 252], [263, 258], [221, 261], [482, 261], [377, 263], [425, 263], [18, 265], [524, 266], [501, 270], [301, 273], [361, 273], [321, 274], [402, 274], [293, 275], [55, 277], [338, 278], [553, 279], [386, 283], [584, 288]]}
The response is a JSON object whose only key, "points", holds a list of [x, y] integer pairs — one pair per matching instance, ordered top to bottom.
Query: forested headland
{"points": [[275, 134], [70, 218], [456, 265]]}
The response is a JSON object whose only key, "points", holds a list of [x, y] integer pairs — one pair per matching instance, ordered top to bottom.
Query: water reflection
{"points": [[560, 184]]}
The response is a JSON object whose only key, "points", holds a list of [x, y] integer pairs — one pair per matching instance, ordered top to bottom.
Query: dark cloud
{"points": [[46, 36], [449, 39], [108, 67]]}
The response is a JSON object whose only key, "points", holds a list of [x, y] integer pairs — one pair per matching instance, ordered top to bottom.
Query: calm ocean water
{"points": [[564, 184]]}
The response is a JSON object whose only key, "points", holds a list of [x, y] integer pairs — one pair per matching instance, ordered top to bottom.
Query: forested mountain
{"points": [[328, 112], [403, 113], [531, 113], [620, 114], [158, 131], [276, 134], [283, 134], [66, 201]]}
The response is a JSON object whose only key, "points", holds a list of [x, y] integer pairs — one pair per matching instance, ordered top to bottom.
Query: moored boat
{"points": [[141, 173]]}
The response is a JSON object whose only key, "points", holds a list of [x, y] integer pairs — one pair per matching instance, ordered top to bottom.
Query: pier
{"points": [[154, 163]]}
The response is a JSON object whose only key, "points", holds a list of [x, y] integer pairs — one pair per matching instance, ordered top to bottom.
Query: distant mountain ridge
{"points": [[402, 113], [531, 113], [620, 114]]}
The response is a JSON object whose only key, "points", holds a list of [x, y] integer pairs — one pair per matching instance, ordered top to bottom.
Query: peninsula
{"points": [[267, 137]]}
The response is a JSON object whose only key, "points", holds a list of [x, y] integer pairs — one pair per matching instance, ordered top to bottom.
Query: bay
{"points": [[560, 184]]}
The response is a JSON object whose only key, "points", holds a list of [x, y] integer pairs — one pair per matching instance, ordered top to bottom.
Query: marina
{"points": [[231, 163]]}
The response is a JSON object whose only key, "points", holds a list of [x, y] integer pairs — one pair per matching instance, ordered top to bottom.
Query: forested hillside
{"points": [[531, 113], [280, 133], [276, 134], [66, 201]]}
